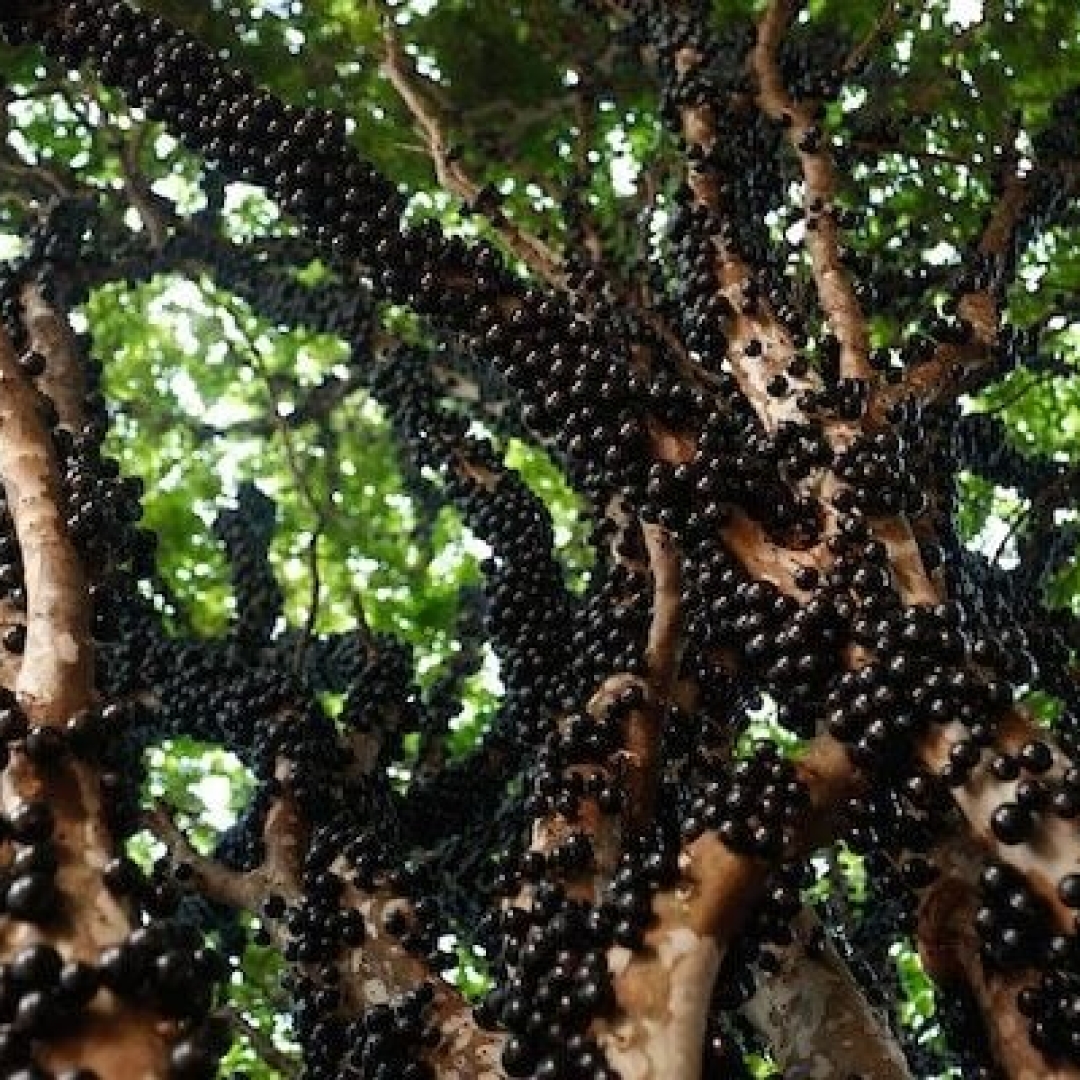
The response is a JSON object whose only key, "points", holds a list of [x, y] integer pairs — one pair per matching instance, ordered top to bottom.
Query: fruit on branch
{"points": [[773, 501]]}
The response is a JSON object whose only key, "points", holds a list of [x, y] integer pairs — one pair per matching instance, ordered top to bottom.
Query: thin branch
{"points": [[883, 24], [154, 211], [531, 250], [835, 292], [953, 365], [303, 485], [243, 891], [262, 1042]]}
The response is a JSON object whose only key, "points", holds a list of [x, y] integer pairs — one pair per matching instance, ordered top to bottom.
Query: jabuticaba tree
{"points": [[790, 665]]}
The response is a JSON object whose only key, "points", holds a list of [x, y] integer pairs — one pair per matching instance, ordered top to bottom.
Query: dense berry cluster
{"points": [[822, 469]]}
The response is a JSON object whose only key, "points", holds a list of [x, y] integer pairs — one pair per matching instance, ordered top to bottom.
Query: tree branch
{"points": [[532, 251], [834, 287], [954, 365], [55, 676], [54, 682], [644, 725], [242, 890], [372, 973], [663, 990], [815, 1018], [262, 1043]]}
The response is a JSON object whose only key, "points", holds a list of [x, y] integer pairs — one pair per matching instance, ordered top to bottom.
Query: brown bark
{"points": [[531, 250], [834, 286], [747, 322], [953, 364], [62, 381], [55, 676], [54, 680], [644, 725], [950, 949], [371, 974], [663, 990], [816, 1020]]}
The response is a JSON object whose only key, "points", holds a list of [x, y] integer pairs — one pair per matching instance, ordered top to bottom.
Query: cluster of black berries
{"points": [[558, 359], [246, 532], [527, 610], [922, 666], [755, 809], [30, 890], [1015, 926], [163, 962], [556, 980], [385, 1039]]}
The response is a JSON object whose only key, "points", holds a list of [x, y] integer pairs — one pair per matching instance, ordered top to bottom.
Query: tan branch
{"points": [[835, 292], [952, 365], [753, 366], [63, 380], [662, 649], [57, 668], [644, 725], [1054, 850], [243, 891], [663, 990], [815, 1018], [114, 1038]]}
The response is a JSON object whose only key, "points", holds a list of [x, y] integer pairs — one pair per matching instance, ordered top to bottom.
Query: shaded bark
{"points": [[817, 1022]]}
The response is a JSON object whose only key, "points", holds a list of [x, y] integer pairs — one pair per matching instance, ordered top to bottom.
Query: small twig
{"points": [[882, 25], [152, 209], [530, 249], [1039, 509], [313, 599], [262, 1042]]}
